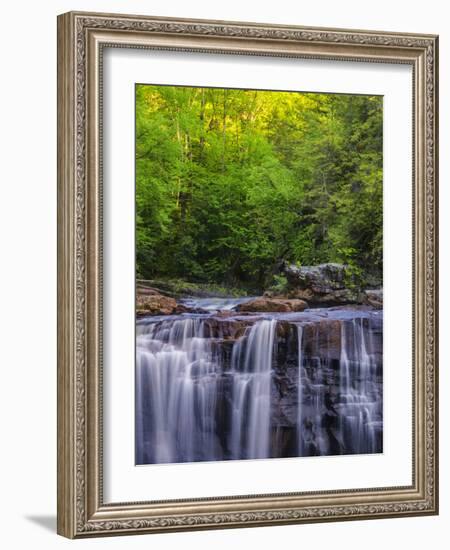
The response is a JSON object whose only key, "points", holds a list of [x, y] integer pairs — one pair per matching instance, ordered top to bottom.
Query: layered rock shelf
{"points": [[330, 285], [224, 385]]}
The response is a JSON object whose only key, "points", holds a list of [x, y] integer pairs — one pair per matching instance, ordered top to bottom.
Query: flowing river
{"points": [[222, 385]]}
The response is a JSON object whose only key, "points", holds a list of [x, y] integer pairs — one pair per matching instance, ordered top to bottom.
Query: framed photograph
{"points": [[247, 284]]}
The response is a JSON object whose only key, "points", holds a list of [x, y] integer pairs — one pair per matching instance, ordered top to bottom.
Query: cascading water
{"points": [[215, 304], [252, 378], [176, 387], [221, 387], [360, 410], [344, 416], [300, 436]]}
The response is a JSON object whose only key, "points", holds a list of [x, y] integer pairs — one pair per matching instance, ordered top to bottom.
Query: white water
{"points": [[215, 304], [176, 384], [197, 401], [359, 410], [353, 417], [250, 430], [300, 435]]}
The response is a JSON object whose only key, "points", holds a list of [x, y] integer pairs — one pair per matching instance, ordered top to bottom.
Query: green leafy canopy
{"points": [[229, 183]]}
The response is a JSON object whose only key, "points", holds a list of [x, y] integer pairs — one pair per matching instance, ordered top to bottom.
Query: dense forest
{"points": [[231, 183]]}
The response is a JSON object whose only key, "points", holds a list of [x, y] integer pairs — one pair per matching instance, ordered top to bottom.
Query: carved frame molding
{"points": [[81, 38]]}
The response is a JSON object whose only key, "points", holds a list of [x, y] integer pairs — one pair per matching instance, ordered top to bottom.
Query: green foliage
{"points": [[231, 182], [279, 284], [179, 288]]}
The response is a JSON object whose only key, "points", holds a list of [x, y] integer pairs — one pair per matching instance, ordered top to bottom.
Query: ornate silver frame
{"points": [[81, 37]]}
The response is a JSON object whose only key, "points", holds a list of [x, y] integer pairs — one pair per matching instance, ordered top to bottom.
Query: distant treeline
{"points": [[230, 183]]}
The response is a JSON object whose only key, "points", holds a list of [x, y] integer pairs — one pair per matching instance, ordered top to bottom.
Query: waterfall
{"points": [[176, 384], [211, 387], [300, 391], [360, 409], [345, 418], [250, 432]]}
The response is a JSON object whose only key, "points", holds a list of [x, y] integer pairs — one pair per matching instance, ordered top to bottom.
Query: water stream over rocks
{"points": [[222, 385]]}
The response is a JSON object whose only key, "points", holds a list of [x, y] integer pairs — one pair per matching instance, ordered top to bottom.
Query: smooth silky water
{"points": [[221, 385]]}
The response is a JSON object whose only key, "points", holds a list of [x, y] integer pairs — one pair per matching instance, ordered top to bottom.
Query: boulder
{"points": [[320, 278], [322, 285], [155, 304], [264, 304], [296, 304]]}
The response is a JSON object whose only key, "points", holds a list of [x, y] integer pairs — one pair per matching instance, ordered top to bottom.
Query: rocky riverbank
{"points": [[331, 284], [324, 285]]}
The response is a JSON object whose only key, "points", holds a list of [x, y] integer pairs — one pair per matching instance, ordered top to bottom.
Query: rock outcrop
{"points": [[322, 278], [328, 285], [374, 298], [154, 304], [265, 304]]}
